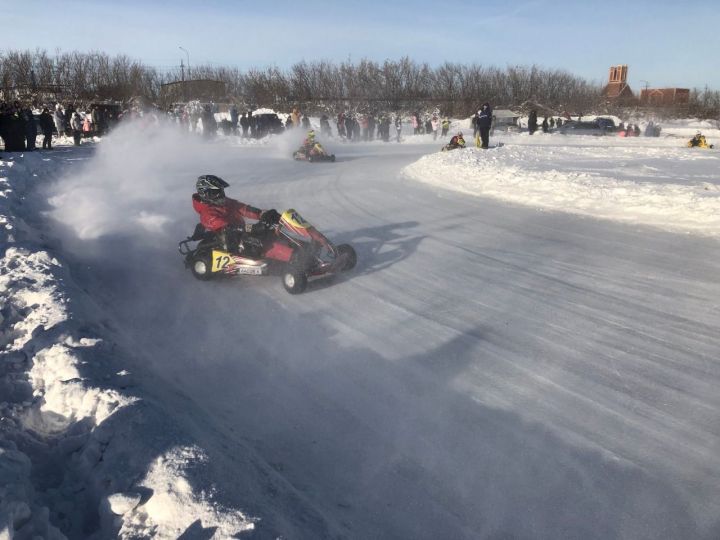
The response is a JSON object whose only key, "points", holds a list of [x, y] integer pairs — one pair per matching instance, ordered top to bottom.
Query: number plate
{"points": [[220, 260], [252, 271]]}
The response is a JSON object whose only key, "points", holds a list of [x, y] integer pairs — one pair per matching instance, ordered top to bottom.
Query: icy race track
{"points": [[489, 370]]}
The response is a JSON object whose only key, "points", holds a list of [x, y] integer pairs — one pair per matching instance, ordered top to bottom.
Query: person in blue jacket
{"points": [[484, 122]]}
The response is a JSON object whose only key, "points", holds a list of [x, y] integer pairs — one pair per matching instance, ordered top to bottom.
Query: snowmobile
{"points": [[314, 154], [293, 246]]}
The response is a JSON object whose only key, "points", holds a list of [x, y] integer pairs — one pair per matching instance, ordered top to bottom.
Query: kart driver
{"points": [[309, 141], [456, 142], [310, 146], [224, 216]]}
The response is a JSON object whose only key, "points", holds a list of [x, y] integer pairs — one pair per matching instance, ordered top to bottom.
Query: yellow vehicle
{"points": [[698, 141]]}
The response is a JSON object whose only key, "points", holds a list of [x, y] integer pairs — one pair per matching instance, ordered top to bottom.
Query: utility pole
{"points": [[188, 59], [182, 70], [189, 77]]}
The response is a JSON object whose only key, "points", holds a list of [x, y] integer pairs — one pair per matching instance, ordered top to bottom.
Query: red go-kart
{"points": [[292, 245]]}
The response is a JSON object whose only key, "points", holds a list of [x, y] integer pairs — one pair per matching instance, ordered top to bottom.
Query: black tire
{"points": [[332, 158], [349, 252], [301, 260], [201, 266], [294, 280]]}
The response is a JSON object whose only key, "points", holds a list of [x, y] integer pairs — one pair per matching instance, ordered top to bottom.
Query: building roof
{"points": [[615, 90]]}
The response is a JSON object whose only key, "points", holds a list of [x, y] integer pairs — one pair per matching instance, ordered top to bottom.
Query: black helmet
{"points": [[211, 188]]}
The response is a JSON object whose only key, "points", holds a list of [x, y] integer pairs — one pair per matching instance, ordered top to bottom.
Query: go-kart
{"points": [[699, 141], [451, 146], [313, 154], [292, 245]]}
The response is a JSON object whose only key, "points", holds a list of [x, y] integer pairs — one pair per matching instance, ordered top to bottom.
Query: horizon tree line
{"points": [[317, 86]]}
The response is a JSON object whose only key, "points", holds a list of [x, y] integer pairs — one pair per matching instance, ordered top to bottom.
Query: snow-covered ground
{"points": [[645, 181], [527, 348]]}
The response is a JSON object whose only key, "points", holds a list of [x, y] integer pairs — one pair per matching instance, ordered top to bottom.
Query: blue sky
{"points": [[666, 43]]}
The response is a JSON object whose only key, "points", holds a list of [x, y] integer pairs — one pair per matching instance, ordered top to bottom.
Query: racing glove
{"points": [[271, 217]]}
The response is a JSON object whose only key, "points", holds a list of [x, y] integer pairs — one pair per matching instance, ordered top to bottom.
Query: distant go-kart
{"points": [[315, 153], [311, 256]]}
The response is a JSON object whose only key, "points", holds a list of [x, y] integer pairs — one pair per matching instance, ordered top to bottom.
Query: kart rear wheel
{"points": [[351, 256], [201, 267], [294, 281]]}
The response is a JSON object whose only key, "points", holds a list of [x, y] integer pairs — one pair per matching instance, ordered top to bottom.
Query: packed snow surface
{"points": [[637, 181], [526, 349]]}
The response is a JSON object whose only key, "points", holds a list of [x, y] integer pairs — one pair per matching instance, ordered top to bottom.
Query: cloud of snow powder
{"points": [[142, 176]]}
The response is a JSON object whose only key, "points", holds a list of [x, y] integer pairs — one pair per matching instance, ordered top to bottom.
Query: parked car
{"points": [[269, 123], [599, 126]]}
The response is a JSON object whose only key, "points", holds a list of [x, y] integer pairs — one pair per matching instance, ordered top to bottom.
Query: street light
{"points": [[188, 59], [647, 84]]}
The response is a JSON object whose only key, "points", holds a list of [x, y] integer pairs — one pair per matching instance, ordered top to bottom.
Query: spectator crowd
{"points": [[21, 124]]}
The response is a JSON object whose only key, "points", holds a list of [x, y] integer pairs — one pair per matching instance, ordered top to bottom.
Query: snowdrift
{"points": [[636, 183], [80, 449]]}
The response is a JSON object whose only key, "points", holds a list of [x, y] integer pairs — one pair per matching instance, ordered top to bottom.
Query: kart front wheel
{"points": [[350, 256], [201, 267], [294, 281]]}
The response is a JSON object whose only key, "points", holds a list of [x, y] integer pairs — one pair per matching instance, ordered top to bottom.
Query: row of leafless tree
{"points": [[76, 75], [366, 85], [456, 89], [704, 103]]}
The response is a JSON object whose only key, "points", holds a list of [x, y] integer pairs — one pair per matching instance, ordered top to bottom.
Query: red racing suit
{"points": [[231, 212]]}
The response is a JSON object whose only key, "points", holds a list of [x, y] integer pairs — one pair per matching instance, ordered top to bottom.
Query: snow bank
{"points": [[687, 128], [625, 182], [81, 451]]}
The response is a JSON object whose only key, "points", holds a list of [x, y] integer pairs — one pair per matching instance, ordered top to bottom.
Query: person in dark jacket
{"points": [[69, 110], [234, 119], [532, 122], [3, 123], [209, 123], [484, 123], [244, 124], [46, 125], [325, 126], [349, 126], [545, 126], [15, 129], [30, 129]]}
